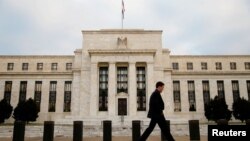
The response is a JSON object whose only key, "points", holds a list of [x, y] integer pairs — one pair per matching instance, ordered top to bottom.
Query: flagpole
{"points": [[123, 10], [122, 21]]}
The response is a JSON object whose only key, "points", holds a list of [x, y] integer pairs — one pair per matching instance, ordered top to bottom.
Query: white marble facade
{"points": [[128, 48]]}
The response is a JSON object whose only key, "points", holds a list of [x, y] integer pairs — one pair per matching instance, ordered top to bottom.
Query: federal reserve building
{"points": [[113, 74]]}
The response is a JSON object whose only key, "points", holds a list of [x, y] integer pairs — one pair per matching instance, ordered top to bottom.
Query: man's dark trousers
{"points": [[161, 121]]}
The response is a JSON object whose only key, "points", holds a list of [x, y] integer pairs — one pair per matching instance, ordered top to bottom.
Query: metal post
{"points": [[222, 122], [248, 122], [107, 130], [136, 130], [194, 130], [19, 131], [78, 131], [48, 132], [163, 138]]}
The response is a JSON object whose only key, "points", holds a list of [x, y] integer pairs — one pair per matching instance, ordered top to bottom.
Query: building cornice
{"points": [[122, 31], [122, 51], [37, 56], [207, 56], [36, 73], [212, 73]]}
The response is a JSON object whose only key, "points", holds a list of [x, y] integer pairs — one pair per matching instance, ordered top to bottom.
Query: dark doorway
{"points": [[122, 106]]}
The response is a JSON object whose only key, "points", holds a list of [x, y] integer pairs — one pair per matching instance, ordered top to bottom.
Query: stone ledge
{"points": [[121, 51]]}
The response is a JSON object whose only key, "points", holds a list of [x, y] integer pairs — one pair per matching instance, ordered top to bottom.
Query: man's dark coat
{"points": [[156, 105]]}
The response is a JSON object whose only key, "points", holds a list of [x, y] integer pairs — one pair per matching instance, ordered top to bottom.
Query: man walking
{"points": [[156, 107]]}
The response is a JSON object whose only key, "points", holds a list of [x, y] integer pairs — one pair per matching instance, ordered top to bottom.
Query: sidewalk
{"points": [[151, 138]]}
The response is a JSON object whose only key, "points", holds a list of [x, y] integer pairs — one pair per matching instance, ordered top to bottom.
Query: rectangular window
{"points": [[233, 65], [247, 65], [10, 66], [25, 66], [39, 66], [54, 66], [68, 66], [175, 66], [189, 66], [203, 66], [218, 66], [122, 79], [141, 88], [220, 88], [103, 89], [248, 89], [23, 90], [7, 91], [236, 91], [206, 92], [38, 93], [52, 96], [67, 96], [177, 96], [191, 96]]}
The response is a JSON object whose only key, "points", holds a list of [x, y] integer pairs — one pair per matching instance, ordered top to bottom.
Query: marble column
{"points": [[2, 88], [111, 88], [213, 88], [30, 89], [93, 89], [132, 89], [243, 89], [85, 91], [15, 92], [228, 92], [45, 96], [60, 96], [184, 96], [199, 96], [75, 97], [169, 98]]}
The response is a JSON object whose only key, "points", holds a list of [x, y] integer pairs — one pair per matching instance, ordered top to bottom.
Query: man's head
{"points": [[159, 86]]}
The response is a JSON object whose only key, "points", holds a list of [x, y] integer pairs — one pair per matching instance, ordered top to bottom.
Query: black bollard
{"points": [[222, 122], [248, 122], [107, 130], [136, 130], [194, 130], [19, 131], [48, 131], [78, 131], [163, 138]]}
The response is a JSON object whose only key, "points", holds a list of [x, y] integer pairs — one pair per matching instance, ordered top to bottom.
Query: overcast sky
{"points": [[190, 27]]}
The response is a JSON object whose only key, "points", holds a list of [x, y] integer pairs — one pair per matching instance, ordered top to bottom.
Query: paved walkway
{"points": [[151, 138]]}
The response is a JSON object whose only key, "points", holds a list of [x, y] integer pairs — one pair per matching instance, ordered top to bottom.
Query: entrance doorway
{"points": [[122, 106]]}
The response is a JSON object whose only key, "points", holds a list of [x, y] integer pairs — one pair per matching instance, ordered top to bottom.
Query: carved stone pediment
{"points": [[122, 42], [122, 95]]}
